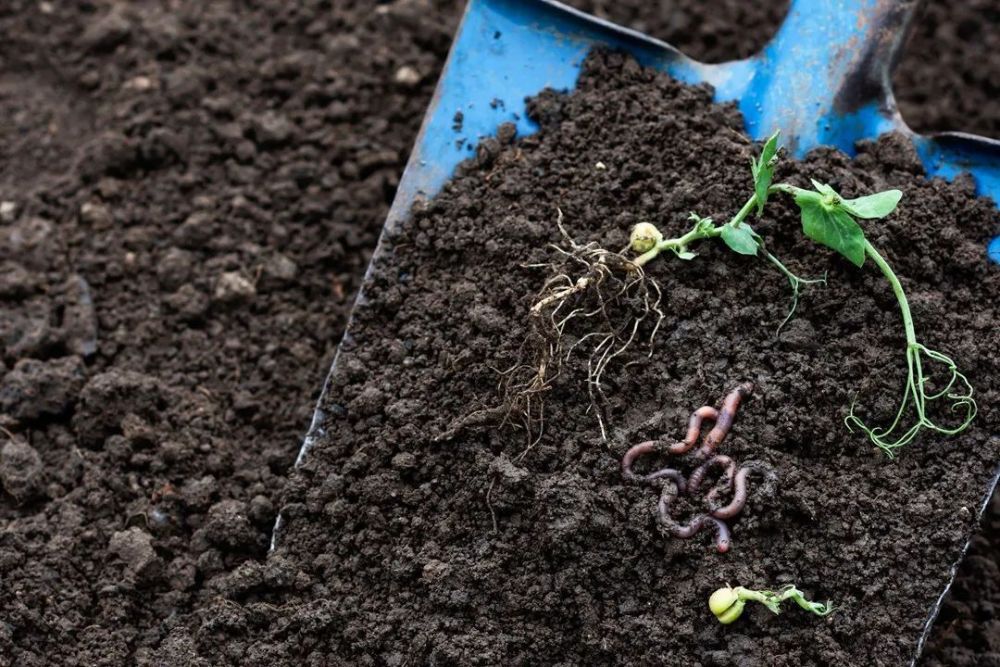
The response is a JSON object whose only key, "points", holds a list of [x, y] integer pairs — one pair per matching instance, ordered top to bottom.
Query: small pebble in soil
{"points": [[407, 76], [139, 83], [8, 211], [96, 215], [280, 268], [232, 287], [79, 325], [135, 549]]}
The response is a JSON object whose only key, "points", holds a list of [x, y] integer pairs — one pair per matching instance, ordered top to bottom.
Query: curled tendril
{"points": [[958, 390]]}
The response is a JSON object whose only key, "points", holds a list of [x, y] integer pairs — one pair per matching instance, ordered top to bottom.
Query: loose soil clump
{"points": [[487, 547]]}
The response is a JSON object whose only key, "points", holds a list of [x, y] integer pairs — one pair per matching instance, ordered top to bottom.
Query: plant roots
{"points": [[596, 303]]}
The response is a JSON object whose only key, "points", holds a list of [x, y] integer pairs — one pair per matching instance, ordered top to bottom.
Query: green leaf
{"points": [[763, 171], [823, 188], [877, 205], [701, 224], [832, 227], [740, 239], [686, 254]]}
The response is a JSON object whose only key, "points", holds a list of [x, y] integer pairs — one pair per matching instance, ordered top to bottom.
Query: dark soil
{"points": [[711, 32], [949, 76], [173, 155], [215, 174], [485, 549]]}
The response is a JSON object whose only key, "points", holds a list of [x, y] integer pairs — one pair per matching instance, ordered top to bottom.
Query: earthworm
{"points": [[725, 419], [694, 429], [646, 448], [698, 476], [731, 479], [739, 500], [694, 526]]}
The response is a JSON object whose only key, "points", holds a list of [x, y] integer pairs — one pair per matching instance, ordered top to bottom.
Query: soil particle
{"points": [[107, 31], [8, 211], [16, 281], [233, 288], [108, 397], [228, 525], [135, 549]]}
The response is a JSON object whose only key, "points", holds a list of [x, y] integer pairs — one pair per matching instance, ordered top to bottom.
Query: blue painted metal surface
{"points": [[823, 80]]}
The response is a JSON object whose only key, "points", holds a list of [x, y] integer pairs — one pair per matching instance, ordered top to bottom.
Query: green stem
{"points": [[787, 188], [744, 212], [697, 233], [678, 244], [795, 281], [897, 289], [957, 389]]}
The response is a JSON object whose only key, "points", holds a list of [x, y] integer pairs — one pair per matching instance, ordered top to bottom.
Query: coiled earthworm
{"points": [[724, 422], [694, 429], [642, 449], [698, 476], [731, 480], [740, 491], [695, 526]]}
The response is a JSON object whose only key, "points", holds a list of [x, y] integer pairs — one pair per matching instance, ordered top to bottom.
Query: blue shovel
{"points": [[823, 80]]}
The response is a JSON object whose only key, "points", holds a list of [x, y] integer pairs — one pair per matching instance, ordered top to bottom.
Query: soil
{"points": [[949, 76], [193, 191], [188, 197], [487, 546]]}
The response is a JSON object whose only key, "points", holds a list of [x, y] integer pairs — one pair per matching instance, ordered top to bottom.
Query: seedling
{"points": [[605, 279], [672, 483], [727, 603]]}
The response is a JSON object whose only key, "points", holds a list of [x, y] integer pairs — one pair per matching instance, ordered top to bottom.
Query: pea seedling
{"points": [[831, 220], [605, 278], [727, 603]]}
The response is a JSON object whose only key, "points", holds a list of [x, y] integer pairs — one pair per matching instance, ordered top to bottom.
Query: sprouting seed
{"points": [[727, 603]]}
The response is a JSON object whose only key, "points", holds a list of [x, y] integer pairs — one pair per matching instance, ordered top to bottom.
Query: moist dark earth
{"points": [[192, 192], [493, 545]]}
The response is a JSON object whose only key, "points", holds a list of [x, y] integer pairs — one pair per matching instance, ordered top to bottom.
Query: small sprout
{"points": [[762, 170], [645, 236], [727, 603]]}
